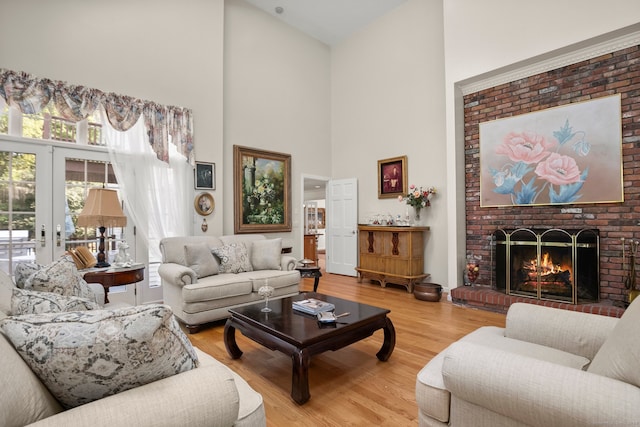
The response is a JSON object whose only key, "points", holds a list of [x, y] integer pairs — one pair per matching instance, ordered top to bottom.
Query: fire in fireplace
{"points": [[554, 264], [549, 273]]}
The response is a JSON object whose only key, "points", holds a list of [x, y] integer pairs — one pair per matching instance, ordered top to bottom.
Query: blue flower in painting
{"points": [[582, 147], [506, 180]]}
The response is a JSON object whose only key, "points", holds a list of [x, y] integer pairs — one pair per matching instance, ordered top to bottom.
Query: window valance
{"points": [[31, 94]]}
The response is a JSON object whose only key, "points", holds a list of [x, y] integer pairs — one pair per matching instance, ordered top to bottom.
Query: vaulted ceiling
{"points": [[329, 21]]}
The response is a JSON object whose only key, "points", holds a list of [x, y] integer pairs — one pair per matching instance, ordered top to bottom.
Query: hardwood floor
{"points": [[351, 387]]}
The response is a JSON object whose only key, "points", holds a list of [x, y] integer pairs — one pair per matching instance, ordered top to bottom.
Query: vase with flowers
{"points": [[418, 197]]}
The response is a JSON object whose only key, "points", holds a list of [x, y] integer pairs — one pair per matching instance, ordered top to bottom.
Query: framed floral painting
{"points": [[564, 155], [392, 177], [262, 190]]}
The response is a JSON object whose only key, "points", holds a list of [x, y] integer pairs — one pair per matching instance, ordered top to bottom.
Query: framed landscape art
{"points": [[262, 190]]}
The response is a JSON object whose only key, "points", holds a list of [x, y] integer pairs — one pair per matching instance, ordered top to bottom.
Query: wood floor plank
{"points": [[351, 387]]}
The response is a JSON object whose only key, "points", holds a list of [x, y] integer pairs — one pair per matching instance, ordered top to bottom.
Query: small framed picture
{"points": [[205, 176], [392, 177], [204, 204]]}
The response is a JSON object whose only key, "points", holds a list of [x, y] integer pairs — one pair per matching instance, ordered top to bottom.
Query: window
{"points": [[48, 124]]}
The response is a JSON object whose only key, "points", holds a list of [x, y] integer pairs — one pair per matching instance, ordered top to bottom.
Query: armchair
{"points": [[547, 367]]}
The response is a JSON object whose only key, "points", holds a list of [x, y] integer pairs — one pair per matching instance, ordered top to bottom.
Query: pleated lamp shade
{"points": [[102, 209]]}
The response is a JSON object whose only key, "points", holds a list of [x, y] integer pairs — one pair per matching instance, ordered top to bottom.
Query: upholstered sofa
{"points": [[201, 287], [547, 367], [208, 395]]}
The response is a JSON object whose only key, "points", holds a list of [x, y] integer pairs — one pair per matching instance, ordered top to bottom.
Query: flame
{"points": [[547, 266]]}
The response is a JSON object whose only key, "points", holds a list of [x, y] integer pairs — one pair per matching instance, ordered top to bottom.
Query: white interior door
{"points": [[342, 226]]}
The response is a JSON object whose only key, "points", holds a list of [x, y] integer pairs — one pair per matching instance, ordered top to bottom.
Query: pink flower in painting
{"points": [[526, 147], [559, 170]]}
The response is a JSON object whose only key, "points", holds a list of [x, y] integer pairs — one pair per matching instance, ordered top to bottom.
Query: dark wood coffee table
{"points": [[301, 336]]}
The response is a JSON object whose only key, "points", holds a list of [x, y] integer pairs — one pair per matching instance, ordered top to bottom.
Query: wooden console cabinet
{"points": [[391, 254]]}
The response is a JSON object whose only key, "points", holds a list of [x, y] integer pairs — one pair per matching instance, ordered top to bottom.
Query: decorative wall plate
{"points": [[204, 204]]}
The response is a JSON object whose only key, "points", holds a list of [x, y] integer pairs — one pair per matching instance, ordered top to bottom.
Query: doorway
{"points": [[340, 203], [314, 213]]}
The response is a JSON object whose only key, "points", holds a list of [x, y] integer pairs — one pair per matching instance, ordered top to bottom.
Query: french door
{"points": [[42, 188]]}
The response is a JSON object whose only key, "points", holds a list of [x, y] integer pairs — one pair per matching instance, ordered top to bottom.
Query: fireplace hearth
{"points": [[553, 264]]}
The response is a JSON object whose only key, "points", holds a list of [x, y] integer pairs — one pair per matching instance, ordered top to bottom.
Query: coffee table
{"points": [[301, 336]]}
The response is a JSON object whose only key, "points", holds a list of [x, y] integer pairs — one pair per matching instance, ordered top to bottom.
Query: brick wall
{"points": [[615, 73]]}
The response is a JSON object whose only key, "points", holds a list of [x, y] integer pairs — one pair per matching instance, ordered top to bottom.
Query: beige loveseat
{"points": [[197, 290], [548, 367], [209, 395]]}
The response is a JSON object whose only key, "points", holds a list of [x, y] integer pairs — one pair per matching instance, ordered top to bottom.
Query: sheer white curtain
{"points": [[156, 194]]}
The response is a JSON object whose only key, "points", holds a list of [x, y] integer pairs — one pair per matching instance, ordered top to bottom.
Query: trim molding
{"points": [[572, 54]]}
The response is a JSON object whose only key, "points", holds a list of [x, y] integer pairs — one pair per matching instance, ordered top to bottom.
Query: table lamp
{"points": [[102, 209]]}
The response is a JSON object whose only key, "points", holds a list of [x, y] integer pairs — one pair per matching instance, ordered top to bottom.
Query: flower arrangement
{"points": [[418, 197]]}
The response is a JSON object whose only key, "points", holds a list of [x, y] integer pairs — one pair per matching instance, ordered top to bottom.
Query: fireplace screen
{"points": [[558, 265]]}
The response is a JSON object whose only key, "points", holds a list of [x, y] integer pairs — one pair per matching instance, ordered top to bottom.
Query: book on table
{"points": [[312, 306]]}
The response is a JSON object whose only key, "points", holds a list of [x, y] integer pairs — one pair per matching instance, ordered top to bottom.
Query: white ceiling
{"points": [[329, 21], [311, 184]]}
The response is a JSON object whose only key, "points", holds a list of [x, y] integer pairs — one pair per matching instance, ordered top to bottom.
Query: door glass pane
{"points": [[80, 176], [17, 209]]}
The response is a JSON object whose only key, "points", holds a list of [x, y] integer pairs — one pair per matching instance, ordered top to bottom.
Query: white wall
{"points": [[483, 37], [164, 51], [277, 97], [388, 101]]}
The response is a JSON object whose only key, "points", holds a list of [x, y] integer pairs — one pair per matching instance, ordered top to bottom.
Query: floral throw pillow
{"points": [[233, 257], [60, 277], [31, 302], [83, 356]]}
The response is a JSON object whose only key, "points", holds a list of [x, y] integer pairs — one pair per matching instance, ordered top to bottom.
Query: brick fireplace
{"points": [[612, 73]]}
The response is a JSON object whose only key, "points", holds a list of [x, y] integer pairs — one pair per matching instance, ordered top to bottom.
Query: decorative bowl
{"points": [[427, 292]]}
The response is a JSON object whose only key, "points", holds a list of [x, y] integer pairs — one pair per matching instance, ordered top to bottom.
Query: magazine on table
{"points": [[312, 306]]}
